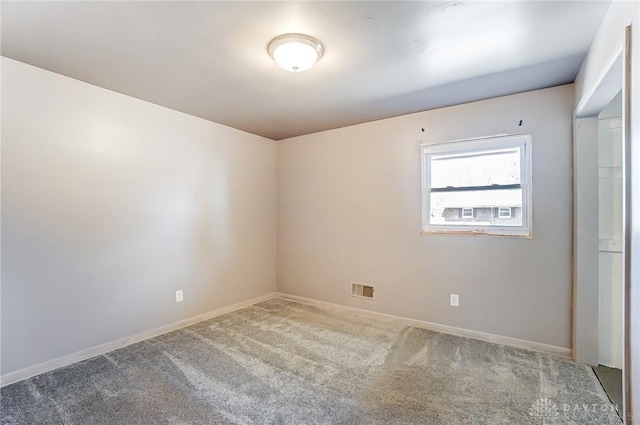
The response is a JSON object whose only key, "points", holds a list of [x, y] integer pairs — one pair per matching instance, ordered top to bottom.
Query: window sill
{"points": [[478, 232]]}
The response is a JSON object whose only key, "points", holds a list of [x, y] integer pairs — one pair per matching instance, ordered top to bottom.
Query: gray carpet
{"points": [[281, 362]]}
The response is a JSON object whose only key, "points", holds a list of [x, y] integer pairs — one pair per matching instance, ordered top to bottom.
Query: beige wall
{"points": [[111, 204], [349, 208]]}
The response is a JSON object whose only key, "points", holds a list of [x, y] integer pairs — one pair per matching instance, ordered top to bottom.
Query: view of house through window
{"points": [[482, 185]]}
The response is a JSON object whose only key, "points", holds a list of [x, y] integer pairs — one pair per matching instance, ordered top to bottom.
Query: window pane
{"points": [[483, 168], [478, 186], [447, 208]]}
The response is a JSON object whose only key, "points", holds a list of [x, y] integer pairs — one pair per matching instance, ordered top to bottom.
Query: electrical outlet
{"points": [[179, 296], [454, 300]]}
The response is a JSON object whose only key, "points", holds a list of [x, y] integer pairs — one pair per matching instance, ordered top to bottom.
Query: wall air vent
{"points": [[362, 290]]}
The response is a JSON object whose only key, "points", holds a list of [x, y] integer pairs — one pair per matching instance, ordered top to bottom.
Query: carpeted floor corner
{"points": [[282, 362]]}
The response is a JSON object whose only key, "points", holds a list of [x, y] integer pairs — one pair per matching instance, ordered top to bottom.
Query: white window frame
{"points": [[521, 141], [500, 209], [467, 216]]}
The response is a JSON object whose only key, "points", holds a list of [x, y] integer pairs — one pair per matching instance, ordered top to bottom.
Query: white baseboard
{"points": [[483, 336], [88, 353]]}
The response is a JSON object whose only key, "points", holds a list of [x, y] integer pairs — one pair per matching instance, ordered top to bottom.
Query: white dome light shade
{"points": [[295, 52]]}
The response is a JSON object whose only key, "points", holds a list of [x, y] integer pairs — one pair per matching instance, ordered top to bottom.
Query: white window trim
{"points": [[523, 141], [467, 216]]}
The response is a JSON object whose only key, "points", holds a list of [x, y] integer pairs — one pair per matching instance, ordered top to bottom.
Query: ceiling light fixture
{"points": [[295, 52]]}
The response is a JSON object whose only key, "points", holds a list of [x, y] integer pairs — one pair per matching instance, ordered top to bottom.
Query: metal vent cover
{"points": [[362, 290]]}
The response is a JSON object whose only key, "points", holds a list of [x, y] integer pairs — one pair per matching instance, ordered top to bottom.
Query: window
{"points": [[466, 182], [504, 212]]}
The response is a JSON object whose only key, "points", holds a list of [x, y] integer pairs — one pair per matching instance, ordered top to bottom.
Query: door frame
{"points": [[585, 277]]}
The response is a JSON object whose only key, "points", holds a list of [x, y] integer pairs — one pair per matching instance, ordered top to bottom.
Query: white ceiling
{"points": [[382, 59]]}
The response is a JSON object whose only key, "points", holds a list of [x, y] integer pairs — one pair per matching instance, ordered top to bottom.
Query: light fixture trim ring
{"points": [[298, 38]]}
